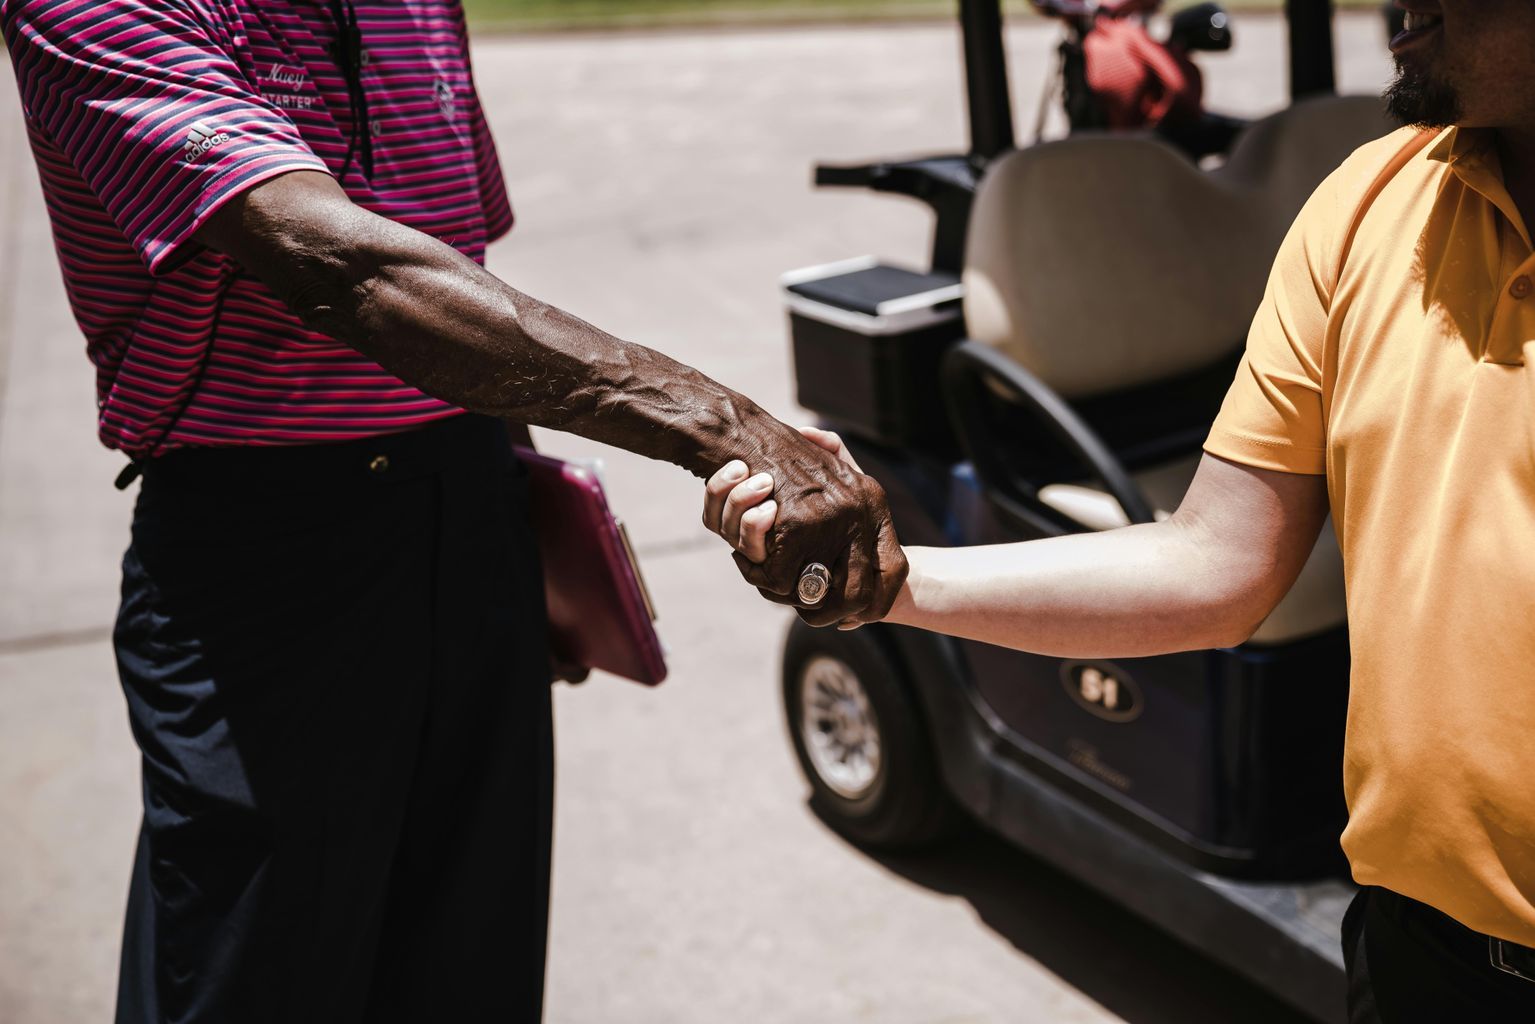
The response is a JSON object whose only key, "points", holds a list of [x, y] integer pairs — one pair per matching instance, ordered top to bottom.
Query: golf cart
{"points": [[1054, 370]]}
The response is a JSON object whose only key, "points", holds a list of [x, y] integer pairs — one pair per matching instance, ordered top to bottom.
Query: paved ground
{"points": [[662, 186]]}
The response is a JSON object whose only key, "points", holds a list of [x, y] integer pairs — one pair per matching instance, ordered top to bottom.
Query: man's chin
{"points": [[1418, 99]]}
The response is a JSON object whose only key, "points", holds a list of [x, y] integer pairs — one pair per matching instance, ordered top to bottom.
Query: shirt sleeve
{"points": [[147, 102], [493, 197], [494, 202], [1272, 417]]}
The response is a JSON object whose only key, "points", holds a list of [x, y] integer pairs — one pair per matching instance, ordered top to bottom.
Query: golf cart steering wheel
{"points": [[973, 373]]}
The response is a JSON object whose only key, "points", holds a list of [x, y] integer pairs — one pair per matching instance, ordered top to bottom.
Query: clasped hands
{"points": [[806, 504]]}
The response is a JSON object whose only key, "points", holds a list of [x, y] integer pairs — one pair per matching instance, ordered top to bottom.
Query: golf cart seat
{"points": [[1289, 153], [1100, 262], [1109, 288]]}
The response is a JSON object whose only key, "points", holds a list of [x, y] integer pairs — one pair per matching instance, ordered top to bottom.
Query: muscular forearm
{"points": [[437, 319], [441, 322], [1126, 593]]}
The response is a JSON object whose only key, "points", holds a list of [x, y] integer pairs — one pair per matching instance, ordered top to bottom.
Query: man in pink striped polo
{"points": [[271, 217]]}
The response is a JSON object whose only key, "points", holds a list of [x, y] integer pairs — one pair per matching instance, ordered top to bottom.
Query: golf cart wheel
{"points": [[861, 740]]}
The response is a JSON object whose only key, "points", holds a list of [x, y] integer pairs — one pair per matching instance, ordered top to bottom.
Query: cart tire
{"points": [[898, 803]]}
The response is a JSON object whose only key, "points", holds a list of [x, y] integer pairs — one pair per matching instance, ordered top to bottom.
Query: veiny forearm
{"points": [[437, 319], [441, 322], [1138, 591]]}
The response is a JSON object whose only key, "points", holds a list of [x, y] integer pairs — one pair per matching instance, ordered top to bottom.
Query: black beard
{"points": [[1416, 99]]}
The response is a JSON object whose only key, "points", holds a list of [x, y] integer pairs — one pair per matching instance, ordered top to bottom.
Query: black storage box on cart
{"points": [[868, 342]]}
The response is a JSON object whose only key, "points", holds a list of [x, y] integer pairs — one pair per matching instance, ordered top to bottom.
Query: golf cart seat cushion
{"points": [[1288, 154], [1103, 262], [1314, 604]]}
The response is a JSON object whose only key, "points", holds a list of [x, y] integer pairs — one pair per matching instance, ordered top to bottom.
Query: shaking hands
{"points": [[818, 511]]}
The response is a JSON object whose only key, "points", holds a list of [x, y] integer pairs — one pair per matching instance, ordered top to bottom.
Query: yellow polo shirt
{"points": [[1393, 359]]}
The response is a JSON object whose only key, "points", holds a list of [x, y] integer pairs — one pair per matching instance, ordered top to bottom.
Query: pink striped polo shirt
{"points": [[145, 115]]}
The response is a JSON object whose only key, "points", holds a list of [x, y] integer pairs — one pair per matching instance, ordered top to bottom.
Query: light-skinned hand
{"points": [[739, 506]]}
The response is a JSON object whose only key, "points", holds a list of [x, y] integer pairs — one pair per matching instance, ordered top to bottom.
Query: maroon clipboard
{"points": [[600, 614]]}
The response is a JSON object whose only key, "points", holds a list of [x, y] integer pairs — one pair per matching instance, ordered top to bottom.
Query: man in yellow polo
{"points": [[1390, 355], [1386, 380]]}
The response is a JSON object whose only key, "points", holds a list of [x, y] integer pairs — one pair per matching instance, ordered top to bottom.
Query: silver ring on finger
{"points": [[814, 583]]}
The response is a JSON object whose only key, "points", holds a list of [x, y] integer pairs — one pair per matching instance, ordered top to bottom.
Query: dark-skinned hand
{"points": [[823, 510]]}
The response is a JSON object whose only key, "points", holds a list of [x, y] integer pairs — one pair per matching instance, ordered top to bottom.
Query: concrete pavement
{"points": [[661, 185]]}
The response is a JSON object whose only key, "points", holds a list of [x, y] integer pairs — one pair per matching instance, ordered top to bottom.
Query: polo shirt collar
{"points": [[1456, 144], [1470, 153]]}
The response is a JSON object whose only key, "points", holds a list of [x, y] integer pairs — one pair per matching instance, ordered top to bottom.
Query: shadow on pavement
{"points": [[1113, 957]]}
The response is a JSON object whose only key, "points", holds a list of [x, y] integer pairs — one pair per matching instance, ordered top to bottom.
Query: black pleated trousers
{"points": [[335, 664]]}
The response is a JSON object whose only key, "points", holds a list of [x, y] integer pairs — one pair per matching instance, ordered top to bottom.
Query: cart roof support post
{"points": [[1311, 51], [991, 108]]}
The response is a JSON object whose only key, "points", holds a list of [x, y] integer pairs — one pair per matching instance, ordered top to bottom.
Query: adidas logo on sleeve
{"points": [[200, 140]]}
